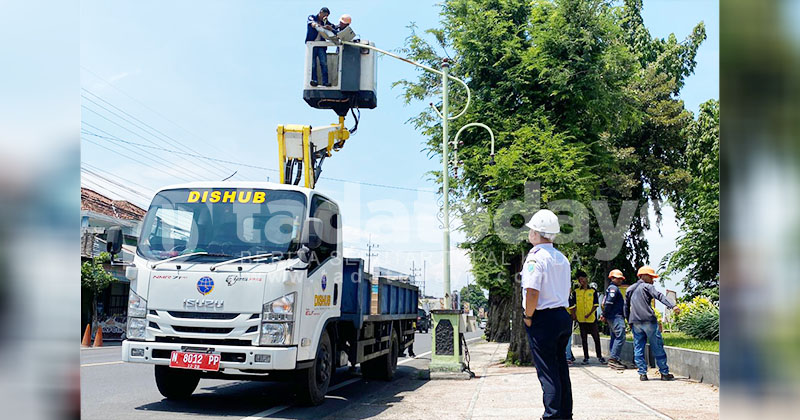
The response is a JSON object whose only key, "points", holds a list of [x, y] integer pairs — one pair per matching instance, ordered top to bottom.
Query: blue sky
{"points": [[216, 78]]}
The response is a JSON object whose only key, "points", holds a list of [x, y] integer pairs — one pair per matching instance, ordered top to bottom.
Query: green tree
{"points": [[582, 101], [697, 209], [95, 279], [473, 294]]}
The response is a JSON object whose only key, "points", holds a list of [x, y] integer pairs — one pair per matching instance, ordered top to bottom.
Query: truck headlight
{"points": [[137, 307], [281, 309], [277, 321], [136, 328], [275, 333]]}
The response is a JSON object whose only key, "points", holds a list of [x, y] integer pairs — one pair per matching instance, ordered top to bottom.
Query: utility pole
{"points": [[445, 184], [370, 245], [424, 263], [414, 272]]}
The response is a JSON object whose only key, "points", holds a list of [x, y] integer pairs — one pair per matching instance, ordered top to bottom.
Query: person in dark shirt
{"points": [[314, 22], [613, 313], [644, 324]]}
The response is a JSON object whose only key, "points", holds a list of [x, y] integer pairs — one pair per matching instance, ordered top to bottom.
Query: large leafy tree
{"points": [[582, 102], [697, 208], [95, 279], [473, 294]]}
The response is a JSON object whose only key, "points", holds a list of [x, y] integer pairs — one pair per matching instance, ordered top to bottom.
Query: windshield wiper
{"points": [[192, 254], [249, 257]]}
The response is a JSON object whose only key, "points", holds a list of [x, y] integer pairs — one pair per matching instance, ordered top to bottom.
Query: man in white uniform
{"points": [[545, 297]]}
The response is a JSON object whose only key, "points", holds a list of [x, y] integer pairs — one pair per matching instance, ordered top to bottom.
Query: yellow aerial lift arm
{"points": [[303, 148]]}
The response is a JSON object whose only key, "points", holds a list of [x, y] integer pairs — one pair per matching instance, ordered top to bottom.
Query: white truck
{"points": [[246, 280]]}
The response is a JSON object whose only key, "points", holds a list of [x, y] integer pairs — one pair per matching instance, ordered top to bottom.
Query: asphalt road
{"points": [[111, 389]]}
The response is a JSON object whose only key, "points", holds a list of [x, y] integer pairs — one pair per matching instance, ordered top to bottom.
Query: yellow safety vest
{"points": [[584, 304]]}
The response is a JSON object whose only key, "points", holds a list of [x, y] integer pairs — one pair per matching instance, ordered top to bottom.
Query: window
{"points": [[328, 213]]}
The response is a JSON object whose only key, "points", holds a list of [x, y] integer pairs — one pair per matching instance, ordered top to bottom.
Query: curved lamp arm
{"points": [[430, 69], [455, 140]]}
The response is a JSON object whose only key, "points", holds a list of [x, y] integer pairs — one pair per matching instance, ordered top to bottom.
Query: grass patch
{"points": [[679, 339]]}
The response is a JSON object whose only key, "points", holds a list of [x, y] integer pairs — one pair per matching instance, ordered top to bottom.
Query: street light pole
{"points": [[445, 185]]}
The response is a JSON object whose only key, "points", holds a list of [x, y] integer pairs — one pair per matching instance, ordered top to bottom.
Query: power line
{"points": [[155, 112], [164, 137], [175, 151], [131, 158], [174, 164], [255, 166], [111, 181], [149, 190]]}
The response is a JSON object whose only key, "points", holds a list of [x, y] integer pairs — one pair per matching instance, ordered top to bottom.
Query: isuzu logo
{"points": [[203, 303]]}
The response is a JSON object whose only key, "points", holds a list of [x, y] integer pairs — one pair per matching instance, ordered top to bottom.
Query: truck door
{"points": [[323, 287]]}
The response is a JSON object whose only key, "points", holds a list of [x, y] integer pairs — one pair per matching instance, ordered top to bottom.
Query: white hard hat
{"points": [[544, 221]]}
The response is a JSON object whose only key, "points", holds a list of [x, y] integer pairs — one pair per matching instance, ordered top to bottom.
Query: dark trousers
{"points": [[319, 53], [590, 328], [548, 335]]}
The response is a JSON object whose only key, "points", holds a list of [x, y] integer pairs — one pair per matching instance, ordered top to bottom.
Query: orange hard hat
{"points": [[346, 19], [646, 269], [616, 273]]}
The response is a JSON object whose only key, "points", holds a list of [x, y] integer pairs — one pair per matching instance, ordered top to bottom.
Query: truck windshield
{"points": [[224, 222]]}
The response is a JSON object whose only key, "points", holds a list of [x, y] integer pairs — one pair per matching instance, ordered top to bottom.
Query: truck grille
{"points": [[201, 315], [203, 330], [207, 341]]}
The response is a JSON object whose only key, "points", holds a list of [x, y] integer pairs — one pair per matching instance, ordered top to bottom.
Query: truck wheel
{"points": [[383, 367], [313, 382], [176, 384]]}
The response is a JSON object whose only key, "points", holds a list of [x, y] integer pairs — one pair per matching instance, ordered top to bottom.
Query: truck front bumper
{"points": [[233, 357]]}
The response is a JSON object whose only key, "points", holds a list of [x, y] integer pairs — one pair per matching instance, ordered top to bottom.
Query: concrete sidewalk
{"points": [[511, 392]]}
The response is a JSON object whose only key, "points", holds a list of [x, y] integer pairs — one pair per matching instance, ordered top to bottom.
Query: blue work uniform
{"points": [[318, 53], [547, 270], [613, 312], [644, 325]]}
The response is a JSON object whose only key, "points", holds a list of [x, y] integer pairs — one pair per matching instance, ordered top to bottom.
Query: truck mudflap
{"points": [[232, 357]]}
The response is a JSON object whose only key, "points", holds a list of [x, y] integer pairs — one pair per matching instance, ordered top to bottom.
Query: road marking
{"points": [[101, 363], [344, 384], [627, 395], [278, 409], [267, 413]]}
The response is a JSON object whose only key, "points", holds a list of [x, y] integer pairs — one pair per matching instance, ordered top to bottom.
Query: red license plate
{"points": [[198, 361]]}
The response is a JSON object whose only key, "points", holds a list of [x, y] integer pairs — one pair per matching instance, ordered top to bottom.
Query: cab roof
{"points": [[244, 184]]}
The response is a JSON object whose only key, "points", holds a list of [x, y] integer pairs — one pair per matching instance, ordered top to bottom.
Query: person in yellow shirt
{"points": [[584, 310]]}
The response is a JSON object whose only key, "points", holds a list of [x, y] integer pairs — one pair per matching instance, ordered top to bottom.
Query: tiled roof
{"points": [[120, 209]]}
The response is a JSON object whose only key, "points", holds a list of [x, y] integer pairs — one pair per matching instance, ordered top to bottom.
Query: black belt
{"points": [[563, 308]]}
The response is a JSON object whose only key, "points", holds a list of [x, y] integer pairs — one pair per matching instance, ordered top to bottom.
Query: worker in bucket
{"points": [[344, 22], [314, 24], [546, 284]]}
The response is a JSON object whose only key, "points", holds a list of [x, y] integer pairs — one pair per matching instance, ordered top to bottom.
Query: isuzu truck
{"points": [[246, 281]]}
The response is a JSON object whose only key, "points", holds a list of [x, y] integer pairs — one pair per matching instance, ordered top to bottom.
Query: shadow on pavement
{"points": [[362, 399]]}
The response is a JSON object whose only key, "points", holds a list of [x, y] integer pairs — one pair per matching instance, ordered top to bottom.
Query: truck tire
{"points": [[383, 367], [313, 382], [176, 384]]}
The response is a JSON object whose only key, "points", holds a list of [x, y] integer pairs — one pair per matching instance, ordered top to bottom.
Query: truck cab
{"points": [[244, 280]]}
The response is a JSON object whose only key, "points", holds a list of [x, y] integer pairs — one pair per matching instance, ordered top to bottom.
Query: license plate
{"points": [[197, 361]]}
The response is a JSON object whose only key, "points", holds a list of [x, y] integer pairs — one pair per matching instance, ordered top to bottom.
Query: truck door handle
{"points": [[335, 293]]}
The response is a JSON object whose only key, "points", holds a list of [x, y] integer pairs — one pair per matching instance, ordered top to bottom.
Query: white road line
{"points": [[101, 363], [344, 384], [626, 395], [278, 409], [267, 413]]}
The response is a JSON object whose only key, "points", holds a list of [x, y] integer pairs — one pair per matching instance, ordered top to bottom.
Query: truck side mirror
{"points": [[312, 233], [114, 240]]}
